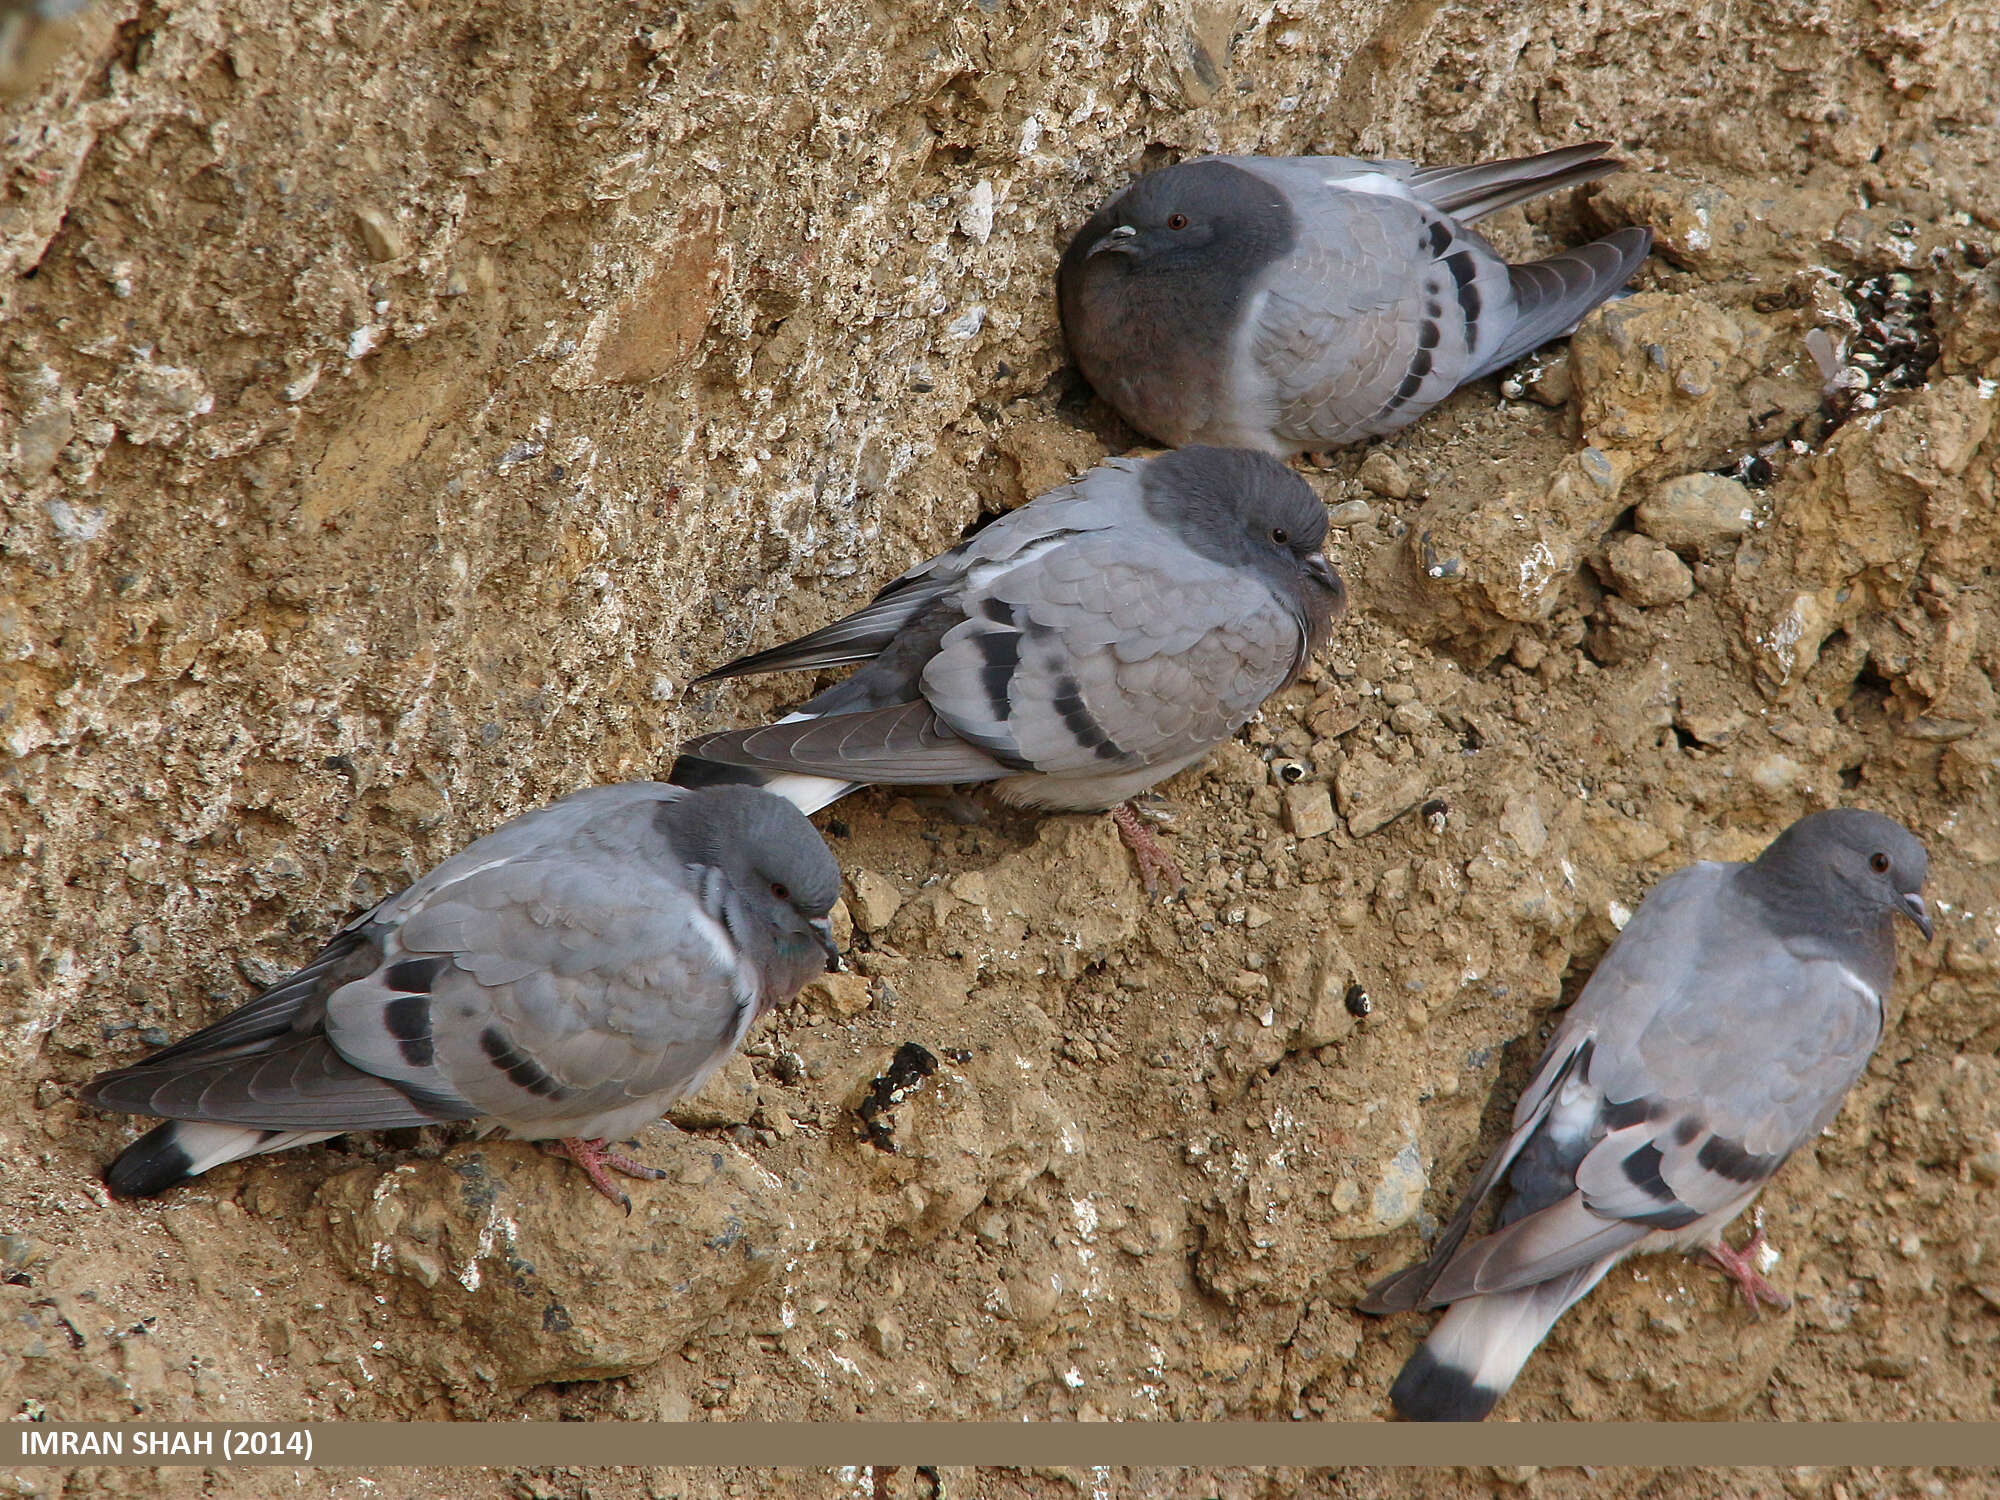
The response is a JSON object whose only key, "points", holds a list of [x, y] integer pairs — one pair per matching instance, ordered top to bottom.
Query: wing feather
{"points": [[1123, 651]]}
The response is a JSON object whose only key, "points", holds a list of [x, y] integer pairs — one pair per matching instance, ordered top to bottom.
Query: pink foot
{"points": [[1153, 861], [597, 1162], [1741, 1267]]}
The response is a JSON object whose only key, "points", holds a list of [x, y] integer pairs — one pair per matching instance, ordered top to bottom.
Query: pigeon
{"points": [[1296, 303], [1075, 651], [567, 978], [1718, 1035]]}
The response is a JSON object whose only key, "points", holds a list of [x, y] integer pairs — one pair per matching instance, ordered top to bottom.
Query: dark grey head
{"points": [[1207, 218], [1155, 284], [1248, 510], [1843, 867], [779, 869]]}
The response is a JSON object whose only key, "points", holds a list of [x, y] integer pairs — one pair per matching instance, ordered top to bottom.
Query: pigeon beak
{"points": [[1118, 242], [1320, 571], [1916, 911], [823, 935]]}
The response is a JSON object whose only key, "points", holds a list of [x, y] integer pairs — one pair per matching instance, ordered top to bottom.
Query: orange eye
{"points": [[1176, 221], [1879, 863], [782, 891]]}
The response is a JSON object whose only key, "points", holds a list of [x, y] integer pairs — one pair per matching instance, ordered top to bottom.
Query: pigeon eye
{"points": [[1176, 221], [1280, 535], [1879, 863], [782, 891]]}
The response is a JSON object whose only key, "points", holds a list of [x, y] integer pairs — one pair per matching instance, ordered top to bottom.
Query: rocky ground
{"points": [[401, 405]]}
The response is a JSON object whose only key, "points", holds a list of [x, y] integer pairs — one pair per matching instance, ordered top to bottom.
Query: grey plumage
{"points": [[1295, 303], [1075, 652], [567, 977], [1718, 1035]]}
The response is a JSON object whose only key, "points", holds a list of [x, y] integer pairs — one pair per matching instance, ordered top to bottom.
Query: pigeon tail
{"points": [[1551, 296], [829, 755], [807, 793], [175, 1150], [1471, 1358], [1430, 1391]]}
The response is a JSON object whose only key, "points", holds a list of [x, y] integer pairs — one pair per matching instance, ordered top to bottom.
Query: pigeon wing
{"points": [[1382, 308], [1102, 498], [1118, 651], [555, 990], [271, 1064]]}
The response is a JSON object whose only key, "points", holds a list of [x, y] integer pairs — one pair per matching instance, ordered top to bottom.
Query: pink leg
{"points": [[1153, 860], [597, 1161], [1741, 1267]]}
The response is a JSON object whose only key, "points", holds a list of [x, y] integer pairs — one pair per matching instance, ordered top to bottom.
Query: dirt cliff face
{"points": [[402, 404]]}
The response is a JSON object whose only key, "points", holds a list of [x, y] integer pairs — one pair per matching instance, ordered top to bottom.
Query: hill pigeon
{"points": [[1296, 303], [1076, 651], [567, 977], [1718, 1035]]}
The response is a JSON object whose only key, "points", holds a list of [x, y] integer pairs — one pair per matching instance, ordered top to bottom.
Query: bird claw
{"points": [[1153, 861], [597, 1160], [1740, 1266]]}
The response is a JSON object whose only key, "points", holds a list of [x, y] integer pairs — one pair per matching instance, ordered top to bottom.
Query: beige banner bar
{"points": [[1008, 1444]]}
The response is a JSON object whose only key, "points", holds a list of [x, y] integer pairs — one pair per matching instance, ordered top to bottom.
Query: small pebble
{"points": [[379, 232], [1551, 384], [1382, 475], [1696, 510], [1646, 572], [1528, 652], [1308, 809], [876, 900]]}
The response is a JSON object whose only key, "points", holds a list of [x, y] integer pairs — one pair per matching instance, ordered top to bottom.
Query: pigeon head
{"points": [[1200, 216], [1154, 287], [1247, 509], [1848, 860], [782, 875]]}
